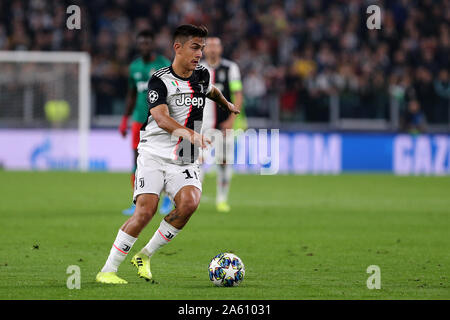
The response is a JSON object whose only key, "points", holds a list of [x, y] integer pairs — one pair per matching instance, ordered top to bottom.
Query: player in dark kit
{"points": [[140, 71], [225, 75], [176, 98]]}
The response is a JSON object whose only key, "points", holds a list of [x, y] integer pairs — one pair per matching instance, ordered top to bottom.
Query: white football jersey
{"points": [[185, 98]]}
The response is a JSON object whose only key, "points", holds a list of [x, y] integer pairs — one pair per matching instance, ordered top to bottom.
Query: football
{"points": [[226, 270]]}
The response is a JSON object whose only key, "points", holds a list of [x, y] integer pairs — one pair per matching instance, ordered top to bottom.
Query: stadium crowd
{"points": [[302, 52]]}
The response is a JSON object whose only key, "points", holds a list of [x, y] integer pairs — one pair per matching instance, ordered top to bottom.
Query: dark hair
{"points": [[183, 32], [146, 33]]}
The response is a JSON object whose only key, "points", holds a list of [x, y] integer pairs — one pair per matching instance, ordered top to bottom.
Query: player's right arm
{"points": [[130, 103], [157, 103], [163, 119]]}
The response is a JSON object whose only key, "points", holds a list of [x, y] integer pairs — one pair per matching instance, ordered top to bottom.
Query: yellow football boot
{"points": [[142, 262], [110, 278]]}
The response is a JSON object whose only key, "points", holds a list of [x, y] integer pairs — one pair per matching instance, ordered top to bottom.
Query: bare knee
{"points": [[186, 202], [146, 205], [145, 209], [144, 213], [141, 218]]}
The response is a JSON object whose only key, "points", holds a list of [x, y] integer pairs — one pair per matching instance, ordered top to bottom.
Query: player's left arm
{"points": [[235, 85], [216, 95], [237, 101]]}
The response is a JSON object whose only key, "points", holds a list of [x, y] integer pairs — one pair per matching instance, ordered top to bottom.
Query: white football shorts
{"points": [[154, 175]]}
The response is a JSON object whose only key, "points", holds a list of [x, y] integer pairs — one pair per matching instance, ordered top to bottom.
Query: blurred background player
{"points": [[140, 71], [225, 75]]}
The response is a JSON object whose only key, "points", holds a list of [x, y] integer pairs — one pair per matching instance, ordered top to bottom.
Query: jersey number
{"points": [[188, 174]]}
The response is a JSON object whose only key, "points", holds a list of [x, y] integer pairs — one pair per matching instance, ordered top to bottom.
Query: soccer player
{"points": [[140, 71], [226, 76], [167, 152]]}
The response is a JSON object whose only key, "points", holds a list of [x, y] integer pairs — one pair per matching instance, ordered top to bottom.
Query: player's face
{"points": [[144, 45], [213, 49], [191, 52]]}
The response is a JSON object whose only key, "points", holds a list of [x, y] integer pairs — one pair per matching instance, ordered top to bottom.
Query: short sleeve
{"points": [[157, 92]]}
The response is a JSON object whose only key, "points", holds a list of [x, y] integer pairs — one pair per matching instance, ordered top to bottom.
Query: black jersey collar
{"points": [[179, 77]]}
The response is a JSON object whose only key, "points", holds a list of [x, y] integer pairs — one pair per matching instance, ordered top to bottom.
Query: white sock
{"points": [[224, 174], [165, 233], [120, 248]]}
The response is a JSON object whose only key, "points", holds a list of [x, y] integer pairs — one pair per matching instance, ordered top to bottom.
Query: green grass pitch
{"points": [[300, 237]]}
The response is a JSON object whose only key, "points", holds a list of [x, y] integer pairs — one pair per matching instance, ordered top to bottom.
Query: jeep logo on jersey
{"points": [[152, 96], [185, 100]]}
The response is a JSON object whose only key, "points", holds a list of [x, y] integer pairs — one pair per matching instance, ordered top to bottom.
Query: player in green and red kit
{"points": [[140, 71]]}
